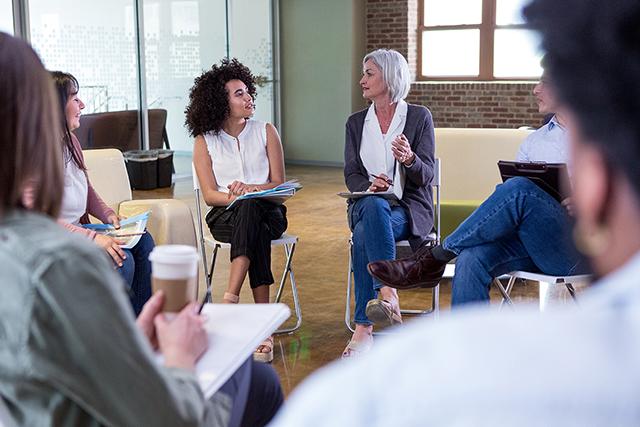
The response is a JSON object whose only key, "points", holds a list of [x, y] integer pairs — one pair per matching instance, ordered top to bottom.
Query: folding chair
{"points": [[434, 239], [287, 241], [543, 279]]}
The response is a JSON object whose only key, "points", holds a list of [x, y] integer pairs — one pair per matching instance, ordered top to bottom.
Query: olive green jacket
{"points": [[70, 351]]}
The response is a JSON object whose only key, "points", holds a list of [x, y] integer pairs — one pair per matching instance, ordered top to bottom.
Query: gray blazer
{"points": [[417, 198]]}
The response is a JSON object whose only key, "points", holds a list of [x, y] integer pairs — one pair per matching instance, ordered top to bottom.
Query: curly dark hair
{"points": [[593, 57], [208, 99]]}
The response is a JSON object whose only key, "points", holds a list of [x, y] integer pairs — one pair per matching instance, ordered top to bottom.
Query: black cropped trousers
{"points": [[249, 226]]}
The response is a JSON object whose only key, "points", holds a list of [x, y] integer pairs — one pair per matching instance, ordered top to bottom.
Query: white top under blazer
{"points": [[375, 148], [243, 159]]}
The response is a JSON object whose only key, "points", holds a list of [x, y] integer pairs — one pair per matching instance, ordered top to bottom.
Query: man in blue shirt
{"points": [[519, 227]]}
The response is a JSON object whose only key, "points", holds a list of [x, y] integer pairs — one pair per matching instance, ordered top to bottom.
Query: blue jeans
{"points": [[376, 227], [519, 227], [136, 272]]}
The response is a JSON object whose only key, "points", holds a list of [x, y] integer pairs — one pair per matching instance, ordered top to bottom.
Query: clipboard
{"points": [[551, 177]]}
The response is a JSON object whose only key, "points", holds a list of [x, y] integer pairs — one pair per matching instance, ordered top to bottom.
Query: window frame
{"points": [[487, 45]]}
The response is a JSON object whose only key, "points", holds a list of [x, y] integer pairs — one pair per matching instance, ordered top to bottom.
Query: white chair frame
{"points": [[434, 238], [288, 242], [567, 281]]}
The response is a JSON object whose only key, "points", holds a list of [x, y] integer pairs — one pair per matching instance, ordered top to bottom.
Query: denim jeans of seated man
{"points": [[376, 227], [519, 227], [136, 272]]}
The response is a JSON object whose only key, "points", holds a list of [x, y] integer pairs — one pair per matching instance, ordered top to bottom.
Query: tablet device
{"points": [[551, 177]]}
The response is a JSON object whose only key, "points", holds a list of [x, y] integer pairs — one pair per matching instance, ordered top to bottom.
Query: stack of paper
{"points": [[275, 195], [130, 229]]}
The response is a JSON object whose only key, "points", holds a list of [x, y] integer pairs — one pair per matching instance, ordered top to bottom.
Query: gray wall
{"points": [[322, 45]]}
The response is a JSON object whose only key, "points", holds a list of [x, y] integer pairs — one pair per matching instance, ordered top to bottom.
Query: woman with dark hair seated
{"points": [[234, 154], [80, 200], [71, 352]]}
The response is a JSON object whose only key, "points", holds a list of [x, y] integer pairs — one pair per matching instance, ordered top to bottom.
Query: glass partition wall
{"points": [[6, 16], [144, 54]]}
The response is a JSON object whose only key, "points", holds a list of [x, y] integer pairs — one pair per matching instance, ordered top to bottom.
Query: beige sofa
{"points": [[470, 174], [170, 222]]}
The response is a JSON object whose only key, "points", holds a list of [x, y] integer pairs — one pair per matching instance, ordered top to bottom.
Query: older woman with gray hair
{"points": [[389, 155]]}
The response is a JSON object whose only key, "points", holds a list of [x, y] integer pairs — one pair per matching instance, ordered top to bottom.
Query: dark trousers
{"points": [[249, 226], [250, 398]]}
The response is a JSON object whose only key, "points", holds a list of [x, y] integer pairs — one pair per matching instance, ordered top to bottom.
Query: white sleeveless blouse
{"points": [[243, 159], [74, 196]]}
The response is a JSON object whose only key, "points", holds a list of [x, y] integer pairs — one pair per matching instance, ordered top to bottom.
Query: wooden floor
{"points": [[318, 217]]}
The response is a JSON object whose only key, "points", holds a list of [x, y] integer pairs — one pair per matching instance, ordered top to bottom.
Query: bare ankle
{"points": [[389, 294], [230, 298], [363, 332]]}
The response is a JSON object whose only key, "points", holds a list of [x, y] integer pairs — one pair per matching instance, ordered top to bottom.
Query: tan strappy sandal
{"points": [[382, 312], [356, 348], [264, 356]]}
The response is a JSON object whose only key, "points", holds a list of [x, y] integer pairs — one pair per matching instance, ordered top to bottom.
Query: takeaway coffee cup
{"points": [[174, 270]]}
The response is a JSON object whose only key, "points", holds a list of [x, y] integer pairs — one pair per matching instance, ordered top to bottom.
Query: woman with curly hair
{"points": [[233, 155]]}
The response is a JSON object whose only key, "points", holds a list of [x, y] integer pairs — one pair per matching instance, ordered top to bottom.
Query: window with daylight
{"points": [[476, 40]]}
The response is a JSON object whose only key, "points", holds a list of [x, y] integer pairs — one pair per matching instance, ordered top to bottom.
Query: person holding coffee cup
{"points": [[233, 155], [175, 274], [71, 352]]}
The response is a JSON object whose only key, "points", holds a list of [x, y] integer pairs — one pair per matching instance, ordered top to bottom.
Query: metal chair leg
{"points": [[289, 251], [209, 274], [572, 291], [505, 292], [347, 311]]}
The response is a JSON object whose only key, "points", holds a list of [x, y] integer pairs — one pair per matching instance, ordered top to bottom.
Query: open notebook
{"points": [[277, 195], [129, 232], [235, 331]]}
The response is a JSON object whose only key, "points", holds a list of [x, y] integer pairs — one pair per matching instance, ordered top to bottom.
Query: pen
{"points": [[387, 180], [204, 301]]}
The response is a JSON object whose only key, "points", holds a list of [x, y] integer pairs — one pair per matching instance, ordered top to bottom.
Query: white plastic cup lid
{"points": [[174, 254]]}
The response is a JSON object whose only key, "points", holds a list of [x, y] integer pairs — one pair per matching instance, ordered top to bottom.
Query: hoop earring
{"points": [[591, 243]]}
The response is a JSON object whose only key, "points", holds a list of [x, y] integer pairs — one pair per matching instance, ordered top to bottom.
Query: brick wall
{"points": [[393, 24], [478, 104]]}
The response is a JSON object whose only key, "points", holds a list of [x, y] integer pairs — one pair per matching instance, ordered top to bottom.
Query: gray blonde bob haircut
{"points": [[395, 71]]}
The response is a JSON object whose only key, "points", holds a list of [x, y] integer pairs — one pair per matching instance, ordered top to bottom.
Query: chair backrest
{"points": [[157, 128], [113, 129], [121, 130], [470, 156], [108, 175], [437, 186], [200, 232]]}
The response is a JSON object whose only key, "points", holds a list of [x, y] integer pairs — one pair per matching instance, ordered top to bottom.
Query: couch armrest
{"points": [[170, 222]]}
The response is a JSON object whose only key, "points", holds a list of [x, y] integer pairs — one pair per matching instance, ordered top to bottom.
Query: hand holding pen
{"points": [[381, 182]]}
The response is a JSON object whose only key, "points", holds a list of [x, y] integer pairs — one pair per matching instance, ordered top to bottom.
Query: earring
{"points": [[591, 243]]}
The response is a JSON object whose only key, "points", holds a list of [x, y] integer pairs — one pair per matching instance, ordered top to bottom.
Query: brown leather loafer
{"points": [[419, 271]]}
